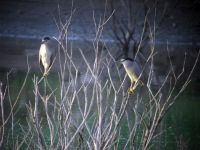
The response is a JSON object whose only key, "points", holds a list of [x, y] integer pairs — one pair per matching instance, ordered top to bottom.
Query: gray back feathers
{"points": [[132, 66]]}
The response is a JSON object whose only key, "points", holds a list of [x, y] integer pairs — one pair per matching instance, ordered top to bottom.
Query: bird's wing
{"points": [[52, 46], [52, 58], [137, 68]]}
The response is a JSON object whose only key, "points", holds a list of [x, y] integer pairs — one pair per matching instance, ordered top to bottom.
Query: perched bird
{"points": [[47, 54], [133, 71]]}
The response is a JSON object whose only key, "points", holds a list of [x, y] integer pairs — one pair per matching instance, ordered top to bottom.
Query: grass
{"points": [[182, 122]]}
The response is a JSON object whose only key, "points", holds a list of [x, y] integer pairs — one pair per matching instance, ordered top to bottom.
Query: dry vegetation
{"points": [[94, 110]]}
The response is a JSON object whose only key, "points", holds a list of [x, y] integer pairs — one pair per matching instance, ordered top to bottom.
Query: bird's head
{"points": [[46, 39], [124, 60]]}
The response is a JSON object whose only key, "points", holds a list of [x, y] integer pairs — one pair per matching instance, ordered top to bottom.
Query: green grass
{"points": [[181, 122]]}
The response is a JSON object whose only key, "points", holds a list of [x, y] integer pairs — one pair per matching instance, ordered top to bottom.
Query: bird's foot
{"points": [[45, 75], [131, 90]]}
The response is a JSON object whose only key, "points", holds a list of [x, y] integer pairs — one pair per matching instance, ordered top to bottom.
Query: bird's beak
{"points": [[118, 61]]}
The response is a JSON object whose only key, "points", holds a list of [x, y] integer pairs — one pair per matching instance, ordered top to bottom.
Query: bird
{"points": [[47, 54], [133, 71]]}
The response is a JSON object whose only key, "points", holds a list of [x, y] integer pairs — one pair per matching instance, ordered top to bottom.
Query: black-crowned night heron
{"points": [[47, 54], [133, 71]]}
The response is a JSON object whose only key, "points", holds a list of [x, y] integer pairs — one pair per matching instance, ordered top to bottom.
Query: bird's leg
{"points": [[45, 72], [45, 75], [132, 88]]}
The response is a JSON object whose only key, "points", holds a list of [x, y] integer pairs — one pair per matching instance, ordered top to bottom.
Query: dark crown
{"points": [[46, 38]]}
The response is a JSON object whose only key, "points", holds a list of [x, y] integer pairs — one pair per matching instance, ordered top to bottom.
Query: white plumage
{"points": [[47, 54]]}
